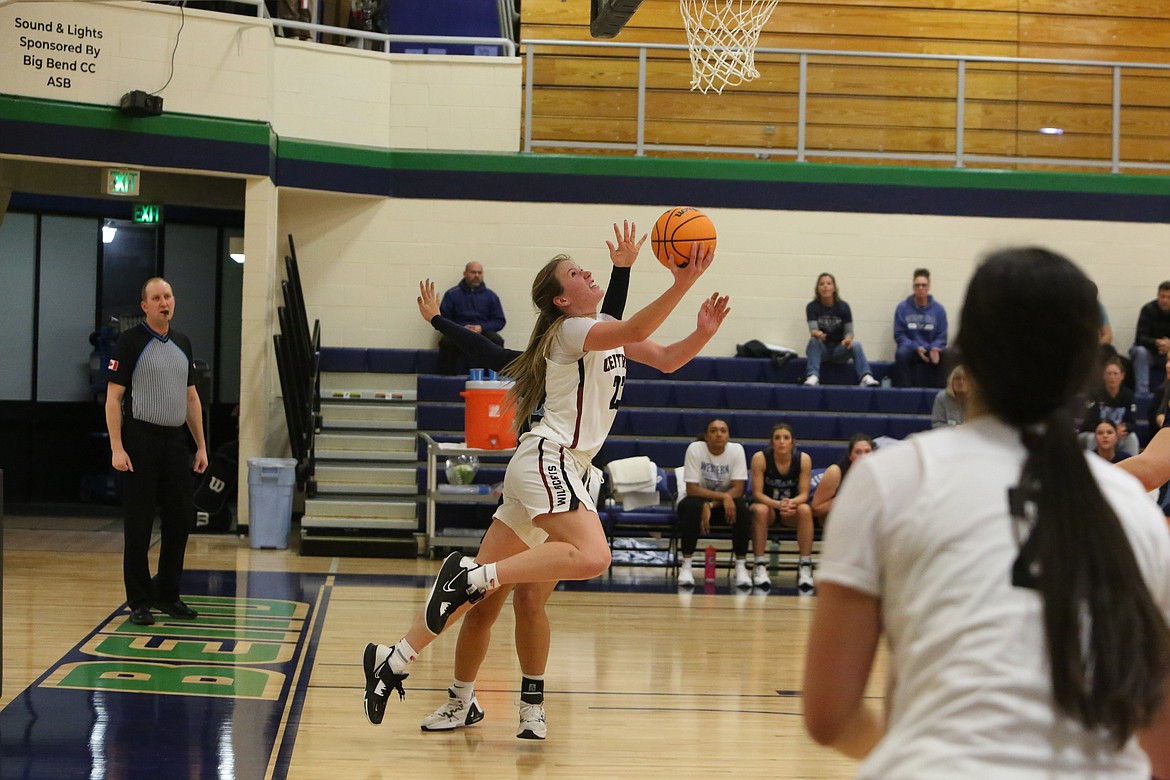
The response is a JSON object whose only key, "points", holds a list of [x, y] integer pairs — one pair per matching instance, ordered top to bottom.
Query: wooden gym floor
{"points": [[643, 681]]}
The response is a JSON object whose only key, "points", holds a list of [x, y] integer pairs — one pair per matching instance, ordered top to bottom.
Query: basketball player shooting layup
{"points": [[576, 362], [461, 709]]}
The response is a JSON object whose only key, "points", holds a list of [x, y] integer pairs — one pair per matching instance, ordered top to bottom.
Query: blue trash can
{"points": [[271, 483]]}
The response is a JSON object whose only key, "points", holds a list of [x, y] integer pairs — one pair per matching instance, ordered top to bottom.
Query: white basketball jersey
{"points": [[582, 390]]}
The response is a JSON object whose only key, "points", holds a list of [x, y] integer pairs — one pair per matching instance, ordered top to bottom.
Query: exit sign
{"points": [[122, 181], [147, 213]]}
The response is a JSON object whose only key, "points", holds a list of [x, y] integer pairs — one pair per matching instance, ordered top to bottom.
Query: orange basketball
{"points": [[676, 230]]}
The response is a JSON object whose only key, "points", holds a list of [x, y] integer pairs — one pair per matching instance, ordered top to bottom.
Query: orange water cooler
{"points": [[487, 421]]}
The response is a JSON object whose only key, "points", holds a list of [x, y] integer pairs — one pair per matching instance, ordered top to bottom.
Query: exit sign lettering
{"points": [[122, 181], [147, 213]]}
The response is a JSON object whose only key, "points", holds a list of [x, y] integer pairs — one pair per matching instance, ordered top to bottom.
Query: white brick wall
{"points": [[767, 261]]}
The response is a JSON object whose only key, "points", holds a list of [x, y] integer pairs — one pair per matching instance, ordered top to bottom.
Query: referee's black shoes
{"points": [[175, 608], [140, 616]]}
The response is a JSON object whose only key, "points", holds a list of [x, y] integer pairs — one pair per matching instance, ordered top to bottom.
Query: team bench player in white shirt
{"points": [[547, 527], [1023, 585]]}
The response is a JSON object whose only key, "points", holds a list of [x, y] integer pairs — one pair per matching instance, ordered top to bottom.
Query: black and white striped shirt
{"points": [[156, 372]]}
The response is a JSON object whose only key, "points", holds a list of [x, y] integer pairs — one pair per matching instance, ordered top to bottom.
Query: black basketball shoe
{"points": [[450, 591], [380, 680]]}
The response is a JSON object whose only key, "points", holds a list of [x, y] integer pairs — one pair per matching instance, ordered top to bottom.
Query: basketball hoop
{"points": [[722, 35]]}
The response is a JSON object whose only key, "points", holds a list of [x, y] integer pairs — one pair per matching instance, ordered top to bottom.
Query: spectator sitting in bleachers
{"points": [[471, 305], [830, 323], [920, 334], [1152, 337], [1112, 402], [950, 405], [1106, 437], [860, 444], [715, 471], [780, 486]]}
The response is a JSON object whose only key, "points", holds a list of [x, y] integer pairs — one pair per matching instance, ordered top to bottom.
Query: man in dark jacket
{"points": [[472, 305], [1152, 337]]}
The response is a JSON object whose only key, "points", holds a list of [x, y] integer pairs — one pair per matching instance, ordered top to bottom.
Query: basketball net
{"points": [[722, 35]]}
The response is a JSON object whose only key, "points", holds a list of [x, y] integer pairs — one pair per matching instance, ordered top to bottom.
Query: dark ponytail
{"points": [[1108, 643]]}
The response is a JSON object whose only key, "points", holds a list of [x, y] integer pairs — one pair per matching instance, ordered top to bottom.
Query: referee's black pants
{"points": [[161, 478]]}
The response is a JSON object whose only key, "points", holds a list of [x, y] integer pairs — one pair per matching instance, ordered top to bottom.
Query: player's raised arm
{"points": [[640, 326], [671, 357]]}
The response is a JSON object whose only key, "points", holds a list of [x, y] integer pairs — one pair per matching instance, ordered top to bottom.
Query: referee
{"points": [[150, 394]]}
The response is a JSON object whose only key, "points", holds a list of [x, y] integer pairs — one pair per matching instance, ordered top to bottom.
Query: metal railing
{"points": [[384, 40], [959, 157]]}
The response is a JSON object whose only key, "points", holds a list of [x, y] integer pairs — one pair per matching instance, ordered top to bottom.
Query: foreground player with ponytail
{"points": [[546, 528], [1023, 586]]}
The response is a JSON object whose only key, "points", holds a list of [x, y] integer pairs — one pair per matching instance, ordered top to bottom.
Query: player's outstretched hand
{"points": [[624, 252], [701, 256], [428, 302], [712, 313]]}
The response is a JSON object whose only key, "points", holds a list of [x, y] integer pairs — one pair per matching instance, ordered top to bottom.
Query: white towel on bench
{"points": [[634, 481]]}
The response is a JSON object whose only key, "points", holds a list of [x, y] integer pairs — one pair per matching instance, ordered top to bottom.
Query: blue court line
{"points": [[309, 659]]}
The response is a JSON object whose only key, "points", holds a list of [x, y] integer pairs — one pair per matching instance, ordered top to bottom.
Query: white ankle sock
{"points": [[806, 559], [761, 560], [483, 577], [402, 656], [463, 690]]}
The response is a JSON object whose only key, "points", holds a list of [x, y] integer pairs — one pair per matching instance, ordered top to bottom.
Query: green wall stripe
{"points": [[49, 112], [52, 112], [334, 154], [816, 173]]}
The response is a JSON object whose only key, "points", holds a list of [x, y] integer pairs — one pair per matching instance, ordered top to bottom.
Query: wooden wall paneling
{"points": [[964, 5], [1137, 9], [893, 21], [899, 23], [1094, 31], [859, 43], [1097, 53], [878, 78], [1057, 87], [1145, 88], [874, 104], [601, 105], [686, 105], [1070, 117], [1150, 122], [568, 129], [724, 134], [1094, 146], [1137, 148]]}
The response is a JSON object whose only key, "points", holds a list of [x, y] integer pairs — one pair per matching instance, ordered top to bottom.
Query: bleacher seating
{"points": [[662, 414], [660, 417]]}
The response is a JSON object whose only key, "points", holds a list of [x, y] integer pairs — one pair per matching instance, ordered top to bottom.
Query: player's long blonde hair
{"points": [[528, 371]]}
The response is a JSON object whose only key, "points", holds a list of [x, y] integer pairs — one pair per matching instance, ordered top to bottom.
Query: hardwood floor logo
{"points": [[222, 653]]}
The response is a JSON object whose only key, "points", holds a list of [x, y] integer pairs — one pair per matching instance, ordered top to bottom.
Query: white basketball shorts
{"points": [[544, 479]]}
